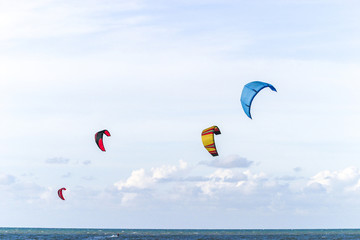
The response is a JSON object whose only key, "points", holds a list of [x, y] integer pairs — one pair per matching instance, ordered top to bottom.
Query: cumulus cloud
{"points": [[57, 160], [232, 161], [297, 169], [168, 172], [140, 179], [230, 180], [346, 180], [240, 182], [315, 187], [238, 189]]}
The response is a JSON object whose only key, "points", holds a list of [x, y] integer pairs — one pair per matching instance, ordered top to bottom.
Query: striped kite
{"points": [[207, 137]]}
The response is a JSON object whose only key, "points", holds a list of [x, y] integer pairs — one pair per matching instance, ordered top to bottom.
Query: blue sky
{"points": [[155, 74]]}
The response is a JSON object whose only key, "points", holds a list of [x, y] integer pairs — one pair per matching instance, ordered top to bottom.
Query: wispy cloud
{"points": [[53, 19]]}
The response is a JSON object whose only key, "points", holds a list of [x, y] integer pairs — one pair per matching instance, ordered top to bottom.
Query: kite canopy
{"points": [[249, 92], [207, 137], [99, 138], [60, 194]]}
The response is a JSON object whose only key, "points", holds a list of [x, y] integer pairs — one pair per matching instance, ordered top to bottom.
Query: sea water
{"points": [[152, 234]]}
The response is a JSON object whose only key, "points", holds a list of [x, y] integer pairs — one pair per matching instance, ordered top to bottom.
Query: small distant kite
{"points": [[249, 92], [207, 137], [99, 138], [60, 193]]}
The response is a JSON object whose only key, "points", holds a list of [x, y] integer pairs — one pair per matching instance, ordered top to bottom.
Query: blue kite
{"points": [[249, 92]]}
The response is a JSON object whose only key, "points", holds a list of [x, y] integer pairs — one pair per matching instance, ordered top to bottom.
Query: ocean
{"points": [[158, 234]]}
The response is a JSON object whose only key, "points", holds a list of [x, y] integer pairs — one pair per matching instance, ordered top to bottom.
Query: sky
{"points": [[155, 74]]}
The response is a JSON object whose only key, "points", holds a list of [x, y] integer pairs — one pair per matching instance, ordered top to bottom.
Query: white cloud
{"points": [[232, 161], [165, 172], [138, 179], [142, 180], [229, 180], [341, 180], [220, 181], [315, 187], [240, 189], [48, 194], [127, 198]]}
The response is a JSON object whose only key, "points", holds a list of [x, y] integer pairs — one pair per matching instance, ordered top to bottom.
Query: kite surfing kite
{"points": [[249, 92], [207, 137], [99, 138], [60, 194]]}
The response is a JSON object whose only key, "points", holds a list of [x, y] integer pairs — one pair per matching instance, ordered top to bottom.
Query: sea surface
{"points": [[152, 234]]}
